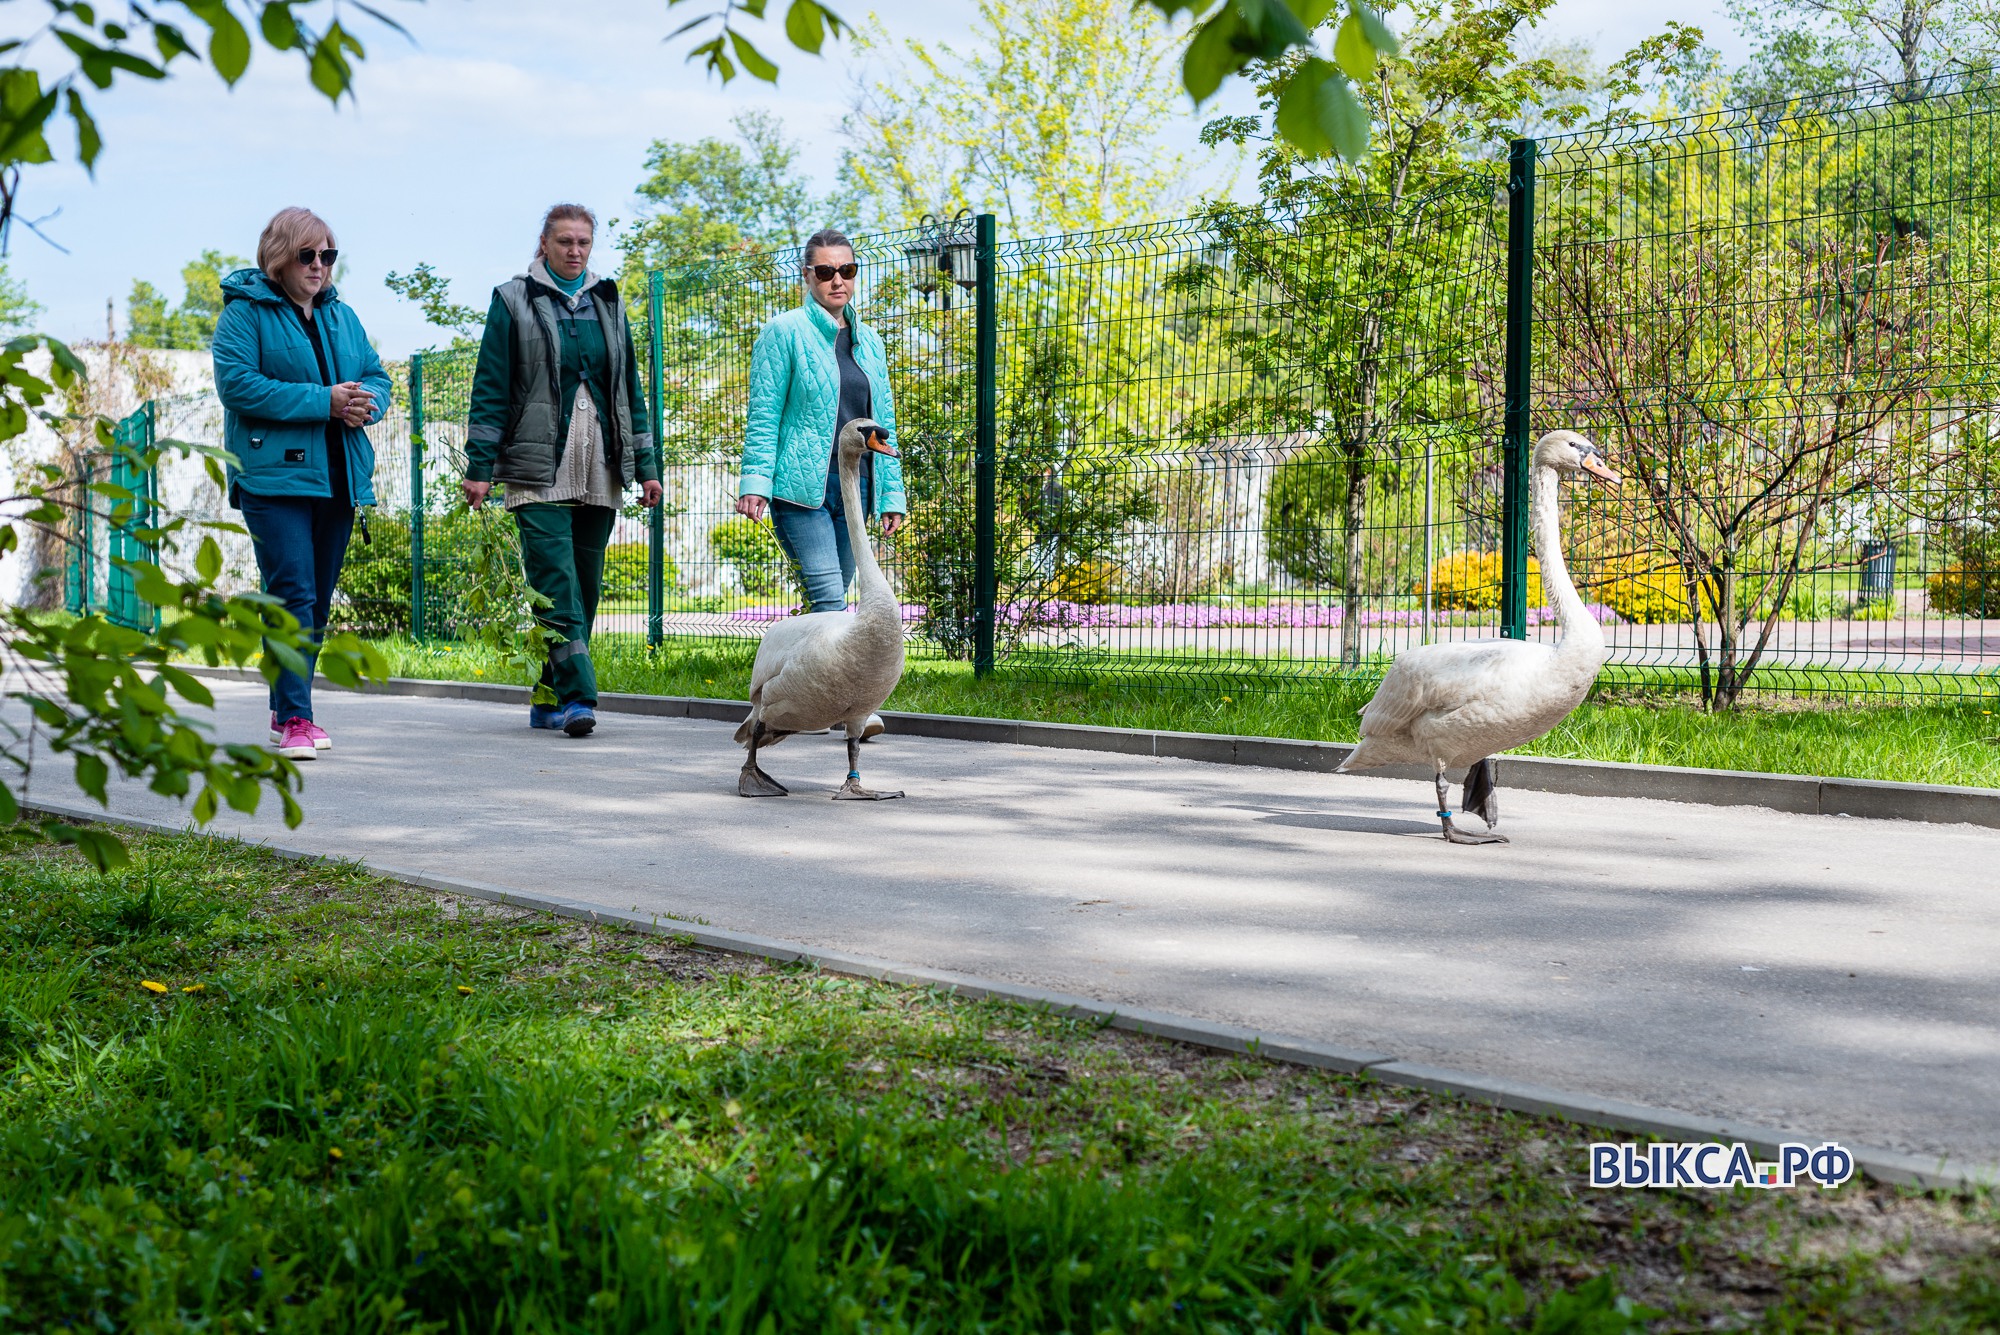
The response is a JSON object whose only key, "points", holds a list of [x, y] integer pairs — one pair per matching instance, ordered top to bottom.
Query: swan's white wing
{"points": [[1432, 678]]}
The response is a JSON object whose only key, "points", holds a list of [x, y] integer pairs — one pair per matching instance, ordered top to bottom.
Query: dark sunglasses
{"points": [[326, 257], [825, 272]]}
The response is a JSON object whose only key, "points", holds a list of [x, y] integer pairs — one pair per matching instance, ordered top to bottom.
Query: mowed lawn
{"points": [[1856, 736], [239, 1093]]}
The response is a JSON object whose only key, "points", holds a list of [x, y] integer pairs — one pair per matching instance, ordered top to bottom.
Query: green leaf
{"points": [[805, 25], [281, 27], [1379, 35], [228, 43], [1352, 50], [1212, 55], [753, 59], [24, 111], [1298, 118], [1343, 118], [89, 143], [208, 560], [191, 687], [91, 775], [205, 805], [10, 809], [103, 850]]}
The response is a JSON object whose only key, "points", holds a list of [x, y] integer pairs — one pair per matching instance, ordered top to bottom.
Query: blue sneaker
{"points": [[545, 716], [577, 719]]}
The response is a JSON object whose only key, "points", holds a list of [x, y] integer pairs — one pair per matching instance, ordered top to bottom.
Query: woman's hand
{"points": [[351, 403], [475, 492], [650, 494], [750, 507], [891, 522]]}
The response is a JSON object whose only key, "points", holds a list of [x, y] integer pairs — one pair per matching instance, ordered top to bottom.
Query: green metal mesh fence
{"points": [[1780, 321]]}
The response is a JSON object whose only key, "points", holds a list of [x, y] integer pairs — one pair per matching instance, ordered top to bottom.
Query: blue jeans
{"points": [[816, 540], [300, 543]]}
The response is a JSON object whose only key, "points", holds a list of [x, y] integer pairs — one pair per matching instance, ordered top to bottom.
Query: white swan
{"points": [[823, 668], [1460, 702]]}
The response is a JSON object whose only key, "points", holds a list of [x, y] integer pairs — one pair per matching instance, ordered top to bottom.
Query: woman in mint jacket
{"points": [[814, 369], [298, 382]]}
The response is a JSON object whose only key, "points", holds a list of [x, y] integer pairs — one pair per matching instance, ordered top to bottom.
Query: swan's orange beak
{"points": [[878, 441], [1594, 466]]}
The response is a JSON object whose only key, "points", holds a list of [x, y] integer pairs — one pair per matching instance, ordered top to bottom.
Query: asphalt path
{"points": [[1828, 975]]}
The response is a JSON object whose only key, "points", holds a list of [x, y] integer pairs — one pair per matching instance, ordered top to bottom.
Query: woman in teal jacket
{"points": [[814, 369], [298, 382]]}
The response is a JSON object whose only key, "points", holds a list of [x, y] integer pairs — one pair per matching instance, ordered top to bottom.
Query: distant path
{"points": [[1831, 975]]}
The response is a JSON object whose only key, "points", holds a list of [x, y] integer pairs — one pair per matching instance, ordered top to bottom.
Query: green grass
{"points": [[1953, 741], [359, 1106]]}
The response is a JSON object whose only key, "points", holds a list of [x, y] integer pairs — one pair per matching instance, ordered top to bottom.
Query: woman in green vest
{"points": [[564, 457]]}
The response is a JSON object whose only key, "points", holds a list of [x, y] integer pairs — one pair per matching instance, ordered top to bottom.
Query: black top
{"points": [[857, 399], [336, 430]]}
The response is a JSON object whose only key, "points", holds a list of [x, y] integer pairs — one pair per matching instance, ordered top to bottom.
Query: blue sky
{"points": [[454, 145]]}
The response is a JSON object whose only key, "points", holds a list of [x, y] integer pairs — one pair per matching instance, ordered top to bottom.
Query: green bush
{"points": [[1304, 515], [751, 550], [625, 573], [1970, 584], [373, 594]]}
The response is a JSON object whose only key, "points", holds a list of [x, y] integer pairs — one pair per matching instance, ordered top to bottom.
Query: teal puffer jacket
{"points": [[794, 394], [274, 406]]}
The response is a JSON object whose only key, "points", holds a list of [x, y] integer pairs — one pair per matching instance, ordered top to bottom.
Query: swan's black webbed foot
{"points": [[754, 782], [852, 790], [1482, 792], [1454, 835]]}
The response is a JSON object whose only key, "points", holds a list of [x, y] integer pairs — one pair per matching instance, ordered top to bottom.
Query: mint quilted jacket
{"points": [[794, 393]]}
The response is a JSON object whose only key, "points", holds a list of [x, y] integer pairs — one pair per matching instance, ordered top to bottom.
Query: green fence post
{"points": [[1520, 364], [986, 369], [417, 497], [656, 519]]}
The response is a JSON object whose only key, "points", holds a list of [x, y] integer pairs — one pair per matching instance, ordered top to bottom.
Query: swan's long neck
{"points": [[875, 601], [1582, 637]]}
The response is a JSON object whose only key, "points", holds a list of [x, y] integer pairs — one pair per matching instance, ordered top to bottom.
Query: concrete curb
{"points": [[1800, 794], [1889, 1166]]}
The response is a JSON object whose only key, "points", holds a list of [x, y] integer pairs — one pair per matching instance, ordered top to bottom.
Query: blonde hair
{"points": [[563, 213], [286, 235]]}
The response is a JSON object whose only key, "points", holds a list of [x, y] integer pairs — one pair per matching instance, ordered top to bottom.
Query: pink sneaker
{"points": [[321, 741], [296, 742]]}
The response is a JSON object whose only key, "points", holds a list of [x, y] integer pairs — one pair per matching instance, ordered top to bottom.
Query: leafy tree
{"points": [[1816, 46], [1051, 121], [708, 197], [717, 197], [1374, 274], [431, 292], [17, 309], [150, 324], [1742, 433]]}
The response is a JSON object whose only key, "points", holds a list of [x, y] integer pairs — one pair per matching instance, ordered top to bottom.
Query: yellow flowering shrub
{"points": [[1084, 582], [1470, 582], [1643, 589], [1963, 591]]}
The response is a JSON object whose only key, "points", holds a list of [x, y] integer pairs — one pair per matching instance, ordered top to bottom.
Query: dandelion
{"points": [[479, 672], [152, 986], [195, 987], [464, 991], [333, 1152]]}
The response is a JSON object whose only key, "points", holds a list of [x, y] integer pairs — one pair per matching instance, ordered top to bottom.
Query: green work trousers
{"points": [[562, 548]]}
